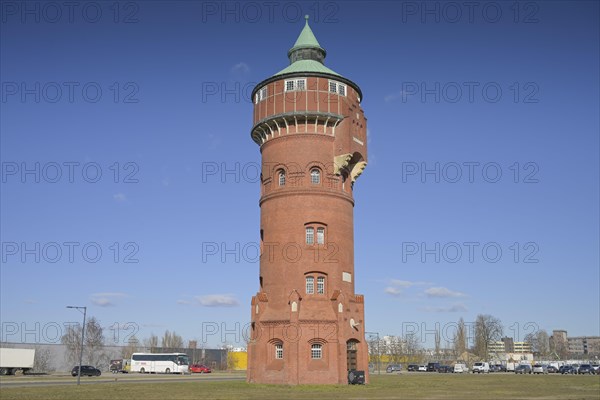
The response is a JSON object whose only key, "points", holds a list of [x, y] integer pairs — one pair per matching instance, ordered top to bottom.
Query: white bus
{"points": [[168, 363]]}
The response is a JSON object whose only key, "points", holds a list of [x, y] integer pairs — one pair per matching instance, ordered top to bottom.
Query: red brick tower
{"points": [[307, 322]]}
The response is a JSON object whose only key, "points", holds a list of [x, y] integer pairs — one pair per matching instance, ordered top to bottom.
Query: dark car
{"points": [[433, 367], [393, 368], [412, 368], [500, 368], [445, 369], [523, 369], [552, 369], [569, 369], [586, 369], [86, 370]]}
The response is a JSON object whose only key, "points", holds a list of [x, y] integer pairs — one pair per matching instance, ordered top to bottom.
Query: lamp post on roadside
{"points": [[82, 340], [378, 354]]}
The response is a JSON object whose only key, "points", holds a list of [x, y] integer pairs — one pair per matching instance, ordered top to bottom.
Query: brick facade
{"points": [[307, 322]]}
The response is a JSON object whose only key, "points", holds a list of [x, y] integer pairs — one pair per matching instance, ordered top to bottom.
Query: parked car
{"points": [[432, 366], [412, 367], [481, 367], [393, 368], [422, 368], [459, 368], [500, 368], [596, 368], [199, 369], [445, 369], [523, 369], [540, 369], [552, 369], [568, 369], [586, 369], [86, 370]]}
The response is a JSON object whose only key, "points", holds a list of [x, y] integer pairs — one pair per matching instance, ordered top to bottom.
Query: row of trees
{"points": [[468, 340], [94, 350]]}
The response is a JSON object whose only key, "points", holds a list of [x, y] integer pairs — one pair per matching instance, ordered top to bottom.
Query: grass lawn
{"points": [[404, 386]]}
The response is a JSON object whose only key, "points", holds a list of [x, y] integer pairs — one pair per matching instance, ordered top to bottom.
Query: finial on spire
{"points": [[306, 17]]}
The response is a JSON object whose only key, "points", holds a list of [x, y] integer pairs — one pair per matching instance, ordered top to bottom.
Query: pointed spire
{"points": [[307, 37], [307, 46]]}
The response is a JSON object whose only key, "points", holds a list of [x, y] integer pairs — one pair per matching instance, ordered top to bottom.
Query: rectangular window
{"points": [[295, 84], [332, 87], [337, 87], [260, 95], [310, 235], [320, 235], [310, 285], [320, 285], [279, 351], [316, 352]]}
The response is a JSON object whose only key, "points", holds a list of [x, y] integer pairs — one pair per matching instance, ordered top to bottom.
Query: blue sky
{"points": [[125, 113]]}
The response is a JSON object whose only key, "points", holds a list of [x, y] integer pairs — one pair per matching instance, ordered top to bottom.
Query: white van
{"points": [[480, 367], [459, 368]]}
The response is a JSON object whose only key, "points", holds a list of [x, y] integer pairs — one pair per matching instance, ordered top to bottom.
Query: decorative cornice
{"points": [[305, 192]]}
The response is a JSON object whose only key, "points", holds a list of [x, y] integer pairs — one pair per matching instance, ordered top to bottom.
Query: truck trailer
{"points": [[13, 360]]}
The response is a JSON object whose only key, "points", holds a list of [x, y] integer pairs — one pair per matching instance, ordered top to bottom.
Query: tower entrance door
{"points": [[351, 355]]}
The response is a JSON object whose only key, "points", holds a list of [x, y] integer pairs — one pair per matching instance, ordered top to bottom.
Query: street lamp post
{"points": [[82, 340], [378, 353]]}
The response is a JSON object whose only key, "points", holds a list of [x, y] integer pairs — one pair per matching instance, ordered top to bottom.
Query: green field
{"points": [[403, 386]]}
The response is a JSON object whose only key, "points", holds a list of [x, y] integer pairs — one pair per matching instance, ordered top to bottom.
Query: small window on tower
{"points": [[295, 84], [260, 95], [315, 176], [281, 178], [310, 235], [320, 235], [310, 285], [320, 285], [279, 351], [316, 351]]}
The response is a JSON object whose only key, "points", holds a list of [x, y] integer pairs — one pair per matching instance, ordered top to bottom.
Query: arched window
{"points": [[315, 176], [281, 178], [310, 235], [310, 285], [321, 285], [279, 351], [316, 351]]}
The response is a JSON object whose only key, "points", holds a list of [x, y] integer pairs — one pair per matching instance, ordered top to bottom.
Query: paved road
{"points": [[32, 381]]}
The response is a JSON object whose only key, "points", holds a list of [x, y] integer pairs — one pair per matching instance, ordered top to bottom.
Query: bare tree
{"points": [[487, 330], [460, 338], [171, 340], [72, 341], [151, 342], [437, 342], [540, 342], [94, 343], [132, 347], [412, 347], [41, 362]]}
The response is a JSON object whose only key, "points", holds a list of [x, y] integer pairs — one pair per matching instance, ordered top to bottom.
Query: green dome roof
{"points": [[307, 55], [306, 66]]}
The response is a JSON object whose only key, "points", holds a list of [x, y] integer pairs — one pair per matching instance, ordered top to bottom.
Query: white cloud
{"points": [[240, 68], [396, 95], [119, 197], [407, 284], [394, 291], [442, 292], [106, 299], [217, 300], [182, 301], [458, 307]]}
